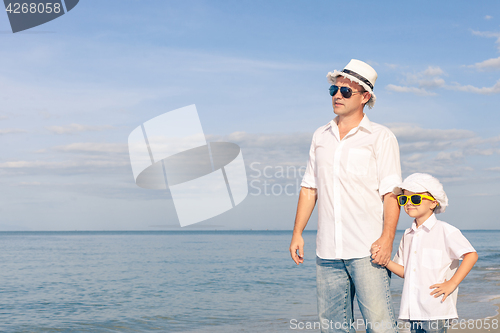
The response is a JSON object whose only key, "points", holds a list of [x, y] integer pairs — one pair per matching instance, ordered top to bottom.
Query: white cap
{"points": [[423, 182]]}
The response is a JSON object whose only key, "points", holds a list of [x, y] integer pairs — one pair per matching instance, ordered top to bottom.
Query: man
{"points": [[353, 168]]}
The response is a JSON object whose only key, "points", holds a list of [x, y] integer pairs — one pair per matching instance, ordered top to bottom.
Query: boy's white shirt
{"points": [[430, 254]]}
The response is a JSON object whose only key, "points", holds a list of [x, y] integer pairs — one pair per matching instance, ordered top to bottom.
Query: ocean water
{"points": [[183, 281]]}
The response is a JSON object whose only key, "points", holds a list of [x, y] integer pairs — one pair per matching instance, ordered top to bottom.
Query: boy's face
{"points": [[421, 212]]}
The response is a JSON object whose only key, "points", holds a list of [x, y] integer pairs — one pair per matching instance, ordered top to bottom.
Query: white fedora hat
{"points": [[359, 72]]}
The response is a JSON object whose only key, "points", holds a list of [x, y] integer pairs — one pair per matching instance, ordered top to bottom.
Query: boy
{"points": [[428, 257]]}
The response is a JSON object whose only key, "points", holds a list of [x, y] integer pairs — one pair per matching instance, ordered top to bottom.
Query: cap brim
{"points": [[412, 187]]}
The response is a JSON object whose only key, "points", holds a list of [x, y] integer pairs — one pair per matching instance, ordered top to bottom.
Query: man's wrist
{"points": [[387, 237]]}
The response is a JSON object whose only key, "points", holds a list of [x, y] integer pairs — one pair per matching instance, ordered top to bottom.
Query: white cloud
{"points": [[488, 17], [486, 34], [489, 34], [493, 63], [488, 64], [392, 66], [433, 71], [430, 79], [425, 80], [432, 83], [495, 89], [414, 90], [76, 128], [11, 131], [411, 133], [90, 147], [290, 149], [445, 153], [449, 154], [452, 156], [74, 159], [62, 164], [30, 183]]}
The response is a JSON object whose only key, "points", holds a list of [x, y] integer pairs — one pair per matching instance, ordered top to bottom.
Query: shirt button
{"points": [[415, 252], [414, 269]]}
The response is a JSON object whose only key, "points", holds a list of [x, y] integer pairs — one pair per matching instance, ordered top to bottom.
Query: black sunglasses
{"points": [[345, 91]]}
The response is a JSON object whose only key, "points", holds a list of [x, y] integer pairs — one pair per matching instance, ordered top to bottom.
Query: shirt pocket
{"points": [[358, 161], [432, 258]]}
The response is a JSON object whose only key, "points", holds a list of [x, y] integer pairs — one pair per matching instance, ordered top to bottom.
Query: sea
{"points": [[185, 281]]}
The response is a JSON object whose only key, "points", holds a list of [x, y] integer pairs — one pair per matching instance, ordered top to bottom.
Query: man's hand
{"points": [[297, 244], [383, 255], [445, 288]]}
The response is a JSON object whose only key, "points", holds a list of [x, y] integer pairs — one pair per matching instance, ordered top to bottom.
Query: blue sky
{"points": [[73, 89]]}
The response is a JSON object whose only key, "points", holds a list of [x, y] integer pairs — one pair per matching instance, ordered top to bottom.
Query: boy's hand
{"points": [[374, 249], [445, 288]]}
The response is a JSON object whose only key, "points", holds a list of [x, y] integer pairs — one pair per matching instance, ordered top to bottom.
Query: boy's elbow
{"points": [[472, 256]]}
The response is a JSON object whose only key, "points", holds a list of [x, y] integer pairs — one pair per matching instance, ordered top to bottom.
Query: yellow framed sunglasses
{"points": [[416, 199]]}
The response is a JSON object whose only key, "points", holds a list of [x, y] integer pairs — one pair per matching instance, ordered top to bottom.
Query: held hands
{"points": [[297, 244], [374, 250], [381, 251], [445, 288]]}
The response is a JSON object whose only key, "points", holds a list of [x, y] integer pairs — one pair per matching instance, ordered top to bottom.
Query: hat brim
{"points": [[332, 78]]}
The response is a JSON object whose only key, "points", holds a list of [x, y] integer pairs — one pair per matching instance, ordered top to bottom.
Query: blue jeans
{"points": [[338, 281], [429, 326]]}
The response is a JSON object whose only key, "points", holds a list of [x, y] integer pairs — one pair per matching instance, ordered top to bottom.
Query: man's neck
{"points": [[347, 122]]}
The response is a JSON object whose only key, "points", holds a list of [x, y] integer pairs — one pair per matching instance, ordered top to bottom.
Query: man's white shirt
{"points": [[351, 177], [430, 254]]}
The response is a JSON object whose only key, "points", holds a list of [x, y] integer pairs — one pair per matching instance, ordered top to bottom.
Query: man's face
{"points": [[348, 106]]}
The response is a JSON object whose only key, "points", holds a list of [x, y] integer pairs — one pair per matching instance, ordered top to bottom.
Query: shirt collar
{"points": [[364, 123], [428, 224]]}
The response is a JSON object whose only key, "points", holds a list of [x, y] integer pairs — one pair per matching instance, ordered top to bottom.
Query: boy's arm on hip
{"points": [[447, 287]]}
